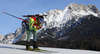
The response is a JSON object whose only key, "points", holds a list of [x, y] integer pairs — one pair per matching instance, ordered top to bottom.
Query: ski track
{"points": [[16, 49]]}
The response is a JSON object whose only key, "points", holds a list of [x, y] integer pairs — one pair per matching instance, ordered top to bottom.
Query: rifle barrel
{"points": [[15, 17]]}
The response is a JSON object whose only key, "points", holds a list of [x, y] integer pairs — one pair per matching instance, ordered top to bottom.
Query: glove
{"points": [[38, 27]]}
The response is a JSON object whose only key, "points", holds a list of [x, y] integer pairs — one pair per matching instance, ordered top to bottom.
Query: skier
{"points": [[35, 23], [30, 25]]}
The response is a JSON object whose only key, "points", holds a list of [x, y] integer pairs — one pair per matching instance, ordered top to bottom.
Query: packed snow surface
{"points": [[16, 49]]}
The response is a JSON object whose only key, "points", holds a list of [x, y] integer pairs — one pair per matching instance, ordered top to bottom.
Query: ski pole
{"points": [[15, 17]]}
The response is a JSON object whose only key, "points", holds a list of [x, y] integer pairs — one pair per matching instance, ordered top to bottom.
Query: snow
{"points": [[93, 13], [66, 15], [57, 17], [53, 18], [15, 49]]}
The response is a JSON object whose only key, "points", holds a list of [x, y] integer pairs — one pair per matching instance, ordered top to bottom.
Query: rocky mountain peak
{"points": [[77, 7], [93, 8], [81, 9]]}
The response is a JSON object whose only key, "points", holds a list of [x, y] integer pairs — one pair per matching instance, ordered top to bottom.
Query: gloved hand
{"points": [[38, 27]]}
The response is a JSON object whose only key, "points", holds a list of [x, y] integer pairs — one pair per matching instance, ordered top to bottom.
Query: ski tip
{"points": [[3, 12]]}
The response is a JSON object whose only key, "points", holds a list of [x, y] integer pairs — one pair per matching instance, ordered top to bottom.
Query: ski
{"points": [[41, 51]]}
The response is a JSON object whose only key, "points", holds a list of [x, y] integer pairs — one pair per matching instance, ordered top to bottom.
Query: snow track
{"points": [[16, 49]]}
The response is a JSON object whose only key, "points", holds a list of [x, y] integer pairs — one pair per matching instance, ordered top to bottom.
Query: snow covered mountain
{"points": [[57, 17], [70, 17], [60, 22], [18, 32], [1, 38], [8, 38]]}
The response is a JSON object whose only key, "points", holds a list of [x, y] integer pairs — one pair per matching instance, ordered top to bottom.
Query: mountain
{"points": [[99, 14], [57, 17], [60, 22], [88, 27], [18, 32], [86, 35], [1, 38], [8, 38]]}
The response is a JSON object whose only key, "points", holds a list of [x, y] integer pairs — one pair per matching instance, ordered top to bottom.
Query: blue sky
{"points": [[9, 24]]}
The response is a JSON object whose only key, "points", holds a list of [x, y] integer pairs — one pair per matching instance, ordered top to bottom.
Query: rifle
{"points": [[33, 15], [24, 16], [15, 17]]}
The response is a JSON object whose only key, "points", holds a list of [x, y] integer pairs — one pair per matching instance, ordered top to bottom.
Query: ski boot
{"points": [[28, 47], [35, 47]]}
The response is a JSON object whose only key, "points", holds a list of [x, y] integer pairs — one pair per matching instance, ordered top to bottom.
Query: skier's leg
{"points": [[29, 36], [34, 36], [28, 39], [34, 40]]}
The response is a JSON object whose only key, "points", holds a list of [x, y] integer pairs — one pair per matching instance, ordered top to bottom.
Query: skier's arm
{"points": [[31, 22], [37, 27]]}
